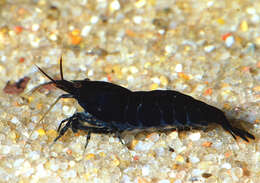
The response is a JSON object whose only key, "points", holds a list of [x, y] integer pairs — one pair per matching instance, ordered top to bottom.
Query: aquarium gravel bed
{"points": [[206, 49]]}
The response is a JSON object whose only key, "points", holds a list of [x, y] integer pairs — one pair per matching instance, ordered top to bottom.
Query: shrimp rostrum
{"points": [[110, 108]]}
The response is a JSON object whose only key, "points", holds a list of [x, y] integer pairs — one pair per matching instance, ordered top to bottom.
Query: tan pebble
{"points": [[140, 3], [221, 21], [244, 26], [257, 41], [148, 64], [163, 80], [153, 86], [257, 88], [41, 132], [51, 133], [12, 135], [173, 135], [133, 144], [102, 154], [90, 156], [180, 159], [116, 162], [204, 164], [47, 165], [86, 176], [142, 180]]}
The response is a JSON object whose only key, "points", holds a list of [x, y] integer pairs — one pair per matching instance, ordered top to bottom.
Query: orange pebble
{"points": [[18, 29], [130, 33], [225, 36], [76, 40], [21, 60], [258, 64], [245, 69], [184, 76], [208, 91], [207, 144], [69, 151], [228, 154], [136, 158]]}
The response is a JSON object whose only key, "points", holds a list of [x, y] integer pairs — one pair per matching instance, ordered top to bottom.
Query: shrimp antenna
{"points": [[61, 71], [50, 78], [56, 101]]}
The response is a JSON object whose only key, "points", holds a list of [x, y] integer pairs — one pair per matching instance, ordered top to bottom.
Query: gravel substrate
{"points": [[203, 48]]}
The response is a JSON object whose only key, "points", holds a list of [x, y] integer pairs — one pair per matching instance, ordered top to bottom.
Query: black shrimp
{"points": [[110, 108]]}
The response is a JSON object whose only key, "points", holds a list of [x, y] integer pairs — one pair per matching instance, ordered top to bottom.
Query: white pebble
{"points": [[210, 3], [115, 5], [251, 10], [255, 18], [94, 19], [138, 19], [35, 27], [85, 31], [161, 31], [53, 37], [34, 41], [229, 41], [209, 48], [168, 49], [3, 58], [178, 68], [133, 69], [90, 72], [130, 79], [156, 80], [34, 119], [15, 120], [35, 135], [195, 136], [2, 137], [154, 137], [111, 139], [217, 145], [143, 146], [6, 149], [160, 151], [54, 154], [34, 155], [173, 156], [194, 159], [18, 163], [72, 163], [64, 166], [226, 166], [54, 167], [23, 168], [146, 170], [28, 172], [41, 172], [197, 172], [70, 174], [126, 179], [164, 181], [178, 181]]}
